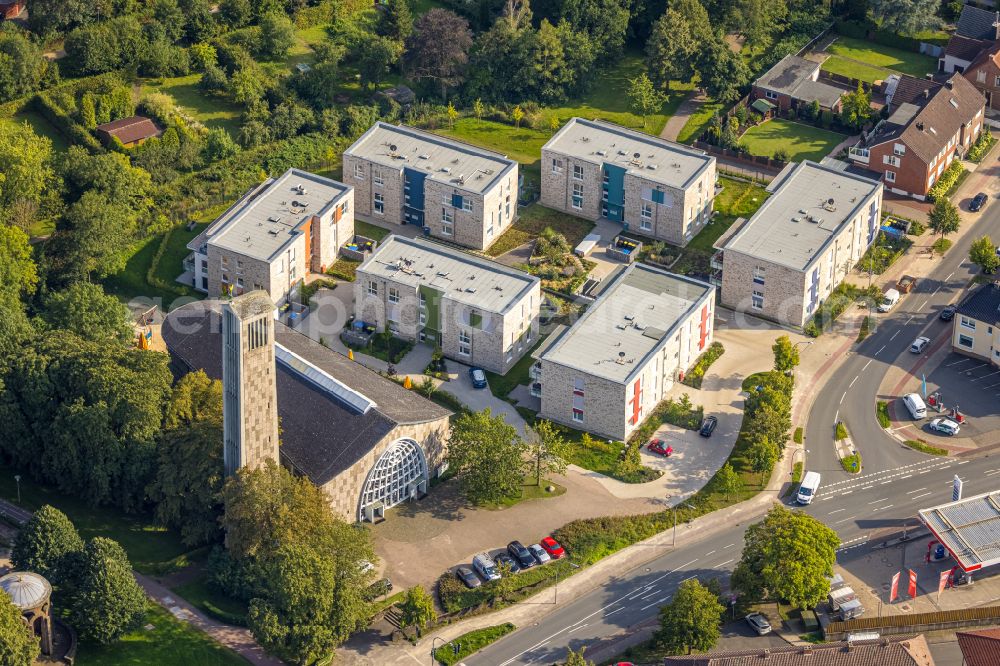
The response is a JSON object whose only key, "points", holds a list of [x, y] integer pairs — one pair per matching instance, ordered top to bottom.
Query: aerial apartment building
{"points": [[653, 187], [454, 191], [273, 236], [800, 244], [479, 312], [610, 369]]}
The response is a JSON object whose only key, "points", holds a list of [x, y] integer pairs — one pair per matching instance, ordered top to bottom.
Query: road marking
{"points": [[949, 276], [922, 305], [909, 318], [896, 333], [880, 350], [957, 362], [867, 364], [853, 380], [842, 397], [836, 417], [964, 462], [992, 472], [906, 476], [885, 482], [867, 487], [847, 492], [910, 492], [919, 496], [884, 499], [882, 508], [836, 511], [845, 520], [729, 546], [709, 553], [722, 564], [689, 578], [658, 601], [614, 611], [581, 626]]}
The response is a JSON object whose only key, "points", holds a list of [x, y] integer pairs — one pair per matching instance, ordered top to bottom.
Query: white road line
{"points": [[949, 276], [936, 290], [922, 305], [909, 318], [895, 334], [880, 350], [867, 364], [853, 380], [842, 397], [964, 462], [992, 472], [905, 476], [885, 482], [867, 487], [848, 492], [910, 492], [919, 496], [884, 499], [882, 508], [836, 511], [845, 520], [729, 546], [709, 553], [722, 564], [689, 578], [655, 602], [614, 611], [581, 626]]}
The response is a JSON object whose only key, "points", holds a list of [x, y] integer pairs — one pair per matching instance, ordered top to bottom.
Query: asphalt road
{"points": [[849, 393], [858, 508]]}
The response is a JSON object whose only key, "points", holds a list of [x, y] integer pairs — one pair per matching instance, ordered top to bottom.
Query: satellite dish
{"points": [[392, 147], [636, 155]]}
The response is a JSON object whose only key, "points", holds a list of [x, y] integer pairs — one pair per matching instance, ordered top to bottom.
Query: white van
{"points": [[889, 300], [915, 405], [808, 488], [485, 567]]}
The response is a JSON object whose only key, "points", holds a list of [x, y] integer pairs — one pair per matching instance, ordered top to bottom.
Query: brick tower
{"points": [[249, 401]]}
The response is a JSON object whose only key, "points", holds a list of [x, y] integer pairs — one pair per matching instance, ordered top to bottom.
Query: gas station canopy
{"points": [[969, 529]]}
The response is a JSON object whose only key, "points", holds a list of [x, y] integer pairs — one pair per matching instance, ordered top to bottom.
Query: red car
{"points": [[659, 446], [552, 547]]}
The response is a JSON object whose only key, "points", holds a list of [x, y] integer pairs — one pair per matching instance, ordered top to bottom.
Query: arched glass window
{"points": [[397, 475]]}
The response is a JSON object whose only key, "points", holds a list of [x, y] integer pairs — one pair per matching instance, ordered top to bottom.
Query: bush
{"points": [[74, 132], [981, 147], [948, 180], [941, 245], [833, 307], [867, 324], [696, 374], [882, 413], [797, 437], [924, 447], [851, 463], [455, 597], [470, 643]]}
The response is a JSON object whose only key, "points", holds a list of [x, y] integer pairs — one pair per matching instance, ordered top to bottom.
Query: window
{"points": [[996, 82], [770, 94], [898, 149], [891, 160], [557, 165], [359, 171], [577, 172], [890, 176], [377, 177], [605, 178], [578, 195], [604, 195], [379, 204], [466, 204], [647, 211], [447, 229], [239, 264], [758, 275], [372, 288], [393, 295], [423, 300], [757, 300], [423, 318], [476, 319], [968, 323], [965, 341], [464, 342], [578, 415]]}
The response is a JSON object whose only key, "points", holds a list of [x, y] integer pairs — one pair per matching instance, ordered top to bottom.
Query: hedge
{"points": [[872, 33], [74, 132], [981, 147], [948, 179], [696, 374]]}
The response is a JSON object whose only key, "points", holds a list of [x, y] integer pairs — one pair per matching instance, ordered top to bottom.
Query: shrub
{"points": [[981, 147], [948, 179], [941, 245], [833, 307], [867, 324], [696, 374], [882, 413], [841, 431], [797, 437], [924, 447], [851, 463]]}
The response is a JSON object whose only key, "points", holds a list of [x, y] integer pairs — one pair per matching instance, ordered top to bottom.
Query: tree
{"points": [[235, 13], [170, 16], [48, 17], [906, 17], [396, 20], [759, 20], [606, 21], [200, 24], [277, 35], [673, 46], [438, 49], [376, 56], [24, 69], [722, 72], [246, 85], [643, 97], [856, 107], [478, 109], [452, 114], [517, 115], [219, 145], [25, 165], [944, 217], [100, 233], [983, 252], [17, 265], [86, 310], [786, 355], [770, 420], [547, 451], [488, 456], [763, 456], [189, 474], [729, 481], [44, 541], [788, 556], [105, 601], [417, 608], [691, 620], [18, 644], [576, 658]]}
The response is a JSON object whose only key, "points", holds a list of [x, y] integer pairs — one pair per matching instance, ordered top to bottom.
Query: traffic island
{"points": [[849, 457]]}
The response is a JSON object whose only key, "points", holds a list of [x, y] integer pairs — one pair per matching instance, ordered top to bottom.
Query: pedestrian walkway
{"points": [[694, 101]]}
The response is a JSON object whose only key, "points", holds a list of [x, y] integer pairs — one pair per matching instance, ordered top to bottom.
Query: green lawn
{"points": [[419, 7], [907, 62], [854, 69], [210, 110], [698, 122], [41, 126], [801, 142], [737, 199], [533, 219], [372, 231], [131, 282], [502, 385], [148, 546], [215, 604], [471, 642], [169, 643]]}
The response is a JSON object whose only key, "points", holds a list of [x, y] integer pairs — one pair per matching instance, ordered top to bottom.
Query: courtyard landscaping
{"points": [[886, 57], [797, 141], [532, 221]]}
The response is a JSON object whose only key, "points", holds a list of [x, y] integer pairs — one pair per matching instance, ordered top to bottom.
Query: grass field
{"points": [[907, 62], [854, 69], [212, 111], [698, 122], [41, 126], [801, 142], [737, 199], [532, 221], [131, 282], [146, 544], [215, 604], [169, 643]]}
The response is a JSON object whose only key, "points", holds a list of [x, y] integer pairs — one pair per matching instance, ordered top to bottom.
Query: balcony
{"points": [[858, 154], [716, 262], [535, 371], [535, 390]]}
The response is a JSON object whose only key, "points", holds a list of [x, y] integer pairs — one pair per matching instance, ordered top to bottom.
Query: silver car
{"points": [[944, 426], [539, 553], [758, 623]]}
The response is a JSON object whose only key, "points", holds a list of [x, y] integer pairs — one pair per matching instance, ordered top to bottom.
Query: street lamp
{"points": [[802, 342], [17, 480], [673, 509], [556, 599], [434, 648]]}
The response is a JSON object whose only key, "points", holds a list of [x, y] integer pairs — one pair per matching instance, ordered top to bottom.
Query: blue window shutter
{"points": [[657, 196], [456, 200]]}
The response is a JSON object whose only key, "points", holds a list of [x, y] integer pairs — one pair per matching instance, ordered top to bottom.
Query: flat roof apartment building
{"points": [[653, 187], [456, 192], [273, 236], [800, 244], [480, 312], [610, 369]]}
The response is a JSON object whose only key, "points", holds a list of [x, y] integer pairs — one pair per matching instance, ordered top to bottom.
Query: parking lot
{"points": [[971, 384]]}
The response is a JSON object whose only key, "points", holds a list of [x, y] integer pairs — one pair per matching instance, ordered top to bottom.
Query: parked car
{"points": [[978, 202], [889, 300], [948, 313], [919, 344], [478, 377], [708, 426], [944, 426], [660, 447], [553, 548], [539, 553], [523, 556], [503, 558], [485, 567], [467, 576], [758, 623]]}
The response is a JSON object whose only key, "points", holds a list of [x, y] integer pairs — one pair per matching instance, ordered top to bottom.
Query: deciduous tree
{"points": [[906, 17], [396, 20], [277, 35], [677, 37], [438, 49], [375, 57], [24, 69], [643, 97], [856, 107], [25, 164], [944, 218], [983, 253], [17, 265], [86, 310], [786, 355], [547, 451], [488, 456], [763, 456], [729, 481], [44, 542], [787, 556], [105, 601], [417, 608], [691, 620], [18, 644], [574, 658]]}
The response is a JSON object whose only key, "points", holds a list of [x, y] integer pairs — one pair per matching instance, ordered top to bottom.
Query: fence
{"points": [[815, 40], [931, 49], [846, 80], [741, 158], [915, 624]]}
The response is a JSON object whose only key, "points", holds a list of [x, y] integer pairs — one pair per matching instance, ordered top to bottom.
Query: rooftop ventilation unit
{"points": [[392, 147], [622, 152], [602, 153], [425, 156], [651, 167], [446, 169], [300, 188], [274, 218], [797, 219], [273, 232], [470, 290], [630, 317], [621, 327]]}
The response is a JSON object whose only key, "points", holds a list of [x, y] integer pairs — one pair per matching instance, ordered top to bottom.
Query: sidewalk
{"points": [[687, 108]]}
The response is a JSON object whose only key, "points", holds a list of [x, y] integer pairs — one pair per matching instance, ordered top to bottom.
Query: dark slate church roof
{"points": [[322, 434]]}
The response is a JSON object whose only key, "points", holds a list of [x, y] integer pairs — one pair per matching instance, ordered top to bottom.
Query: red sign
{"points": [[943, 580], [912, 589], [894, 591]]}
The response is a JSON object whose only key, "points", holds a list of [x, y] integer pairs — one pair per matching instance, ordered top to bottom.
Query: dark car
{"points": [[978, 202], [947, 314], [478, 377], [708, 426], [521, 554], [503, 558], [468, 576]]}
